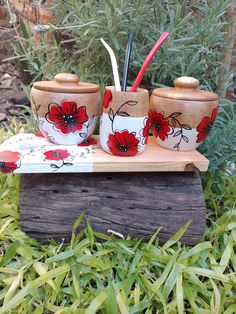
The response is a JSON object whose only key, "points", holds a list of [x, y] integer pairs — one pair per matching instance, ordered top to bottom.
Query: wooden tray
{"points": [[35, 155]]}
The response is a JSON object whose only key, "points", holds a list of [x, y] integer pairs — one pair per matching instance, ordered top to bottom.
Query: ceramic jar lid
{"points": [[66, 83], [185, 89]]}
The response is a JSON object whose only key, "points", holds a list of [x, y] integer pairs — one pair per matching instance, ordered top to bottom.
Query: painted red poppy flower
{"points": [[107, 98], [67, 118], [160, 125], [205, 125], [146, 130], [39, 135], [88, 142], [123, 144], [56, 154], [8, 160]]}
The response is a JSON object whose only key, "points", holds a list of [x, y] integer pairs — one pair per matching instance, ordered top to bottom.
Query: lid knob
{"points": [[66, 78], [186, 82]]}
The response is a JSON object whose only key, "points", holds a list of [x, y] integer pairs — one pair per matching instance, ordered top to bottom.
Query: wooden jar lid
{"points": [[66, 83], [185, 89]]}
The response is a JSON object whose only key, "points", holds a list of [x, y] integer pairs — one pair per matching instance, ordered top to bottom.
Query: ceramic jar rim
{"points": [[139, 90]]}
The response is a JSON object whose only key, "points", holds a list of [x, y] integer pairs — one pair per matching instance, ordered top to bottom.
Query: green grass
{"points": [[97, 273]]}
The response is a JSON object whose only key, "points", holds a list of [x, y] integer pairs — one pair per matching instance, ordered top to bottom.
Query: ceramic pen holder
{"points": [[65, 109], [182, 116], [124, 123]]}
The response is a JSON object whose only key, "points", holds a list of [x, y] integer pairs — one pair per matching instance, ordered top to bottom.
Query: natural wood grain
{"points": [[65, 83], [185, 89], [141, 98], [192, 111], [154, 159], [131, 203]]}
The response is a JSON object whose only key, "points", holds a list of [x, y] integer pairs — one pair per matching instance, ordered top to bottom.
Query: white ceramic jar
{"points": [[65, 109], [182, 116], [124, 122]]}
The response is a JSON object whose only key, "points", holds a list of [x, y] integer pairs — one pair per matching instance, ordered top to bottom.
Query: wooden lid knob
{"points": [[66, 78], [186, 82], [66, 83], [185, 89]]}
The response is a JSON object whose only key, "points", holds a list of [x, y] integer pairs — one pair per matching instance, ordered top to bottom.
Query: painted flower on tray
{"points": [[107, 98], [67, 118], [160, 125], [205, 125], [146, 130], [88, 142], [123, 143], [56, 154], [8, 161]]}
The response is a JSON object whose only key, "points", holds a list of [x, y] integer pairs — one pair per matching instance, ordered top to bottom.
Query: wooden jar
{"points": [[66, 109], [182, 116], [124, 123]]}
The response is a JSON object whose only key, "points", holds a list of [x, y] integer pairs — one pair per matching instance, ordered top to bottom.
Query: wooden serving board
{"points": [[35, 156]]}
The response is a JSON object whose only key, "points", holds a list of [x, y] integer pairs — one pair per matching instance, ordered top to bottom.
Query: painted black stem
{"points": [[117, 113]]}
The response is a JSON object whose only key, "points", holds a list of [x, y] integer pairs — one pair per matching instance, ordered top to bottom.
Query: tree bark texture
{"points": [[128, 203]]}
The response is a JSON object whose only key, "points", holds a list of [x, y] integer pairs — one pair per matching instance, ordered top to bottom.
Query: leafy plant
{"points": [[196, 46], [188, 52], [38, 59], [220, 145]]}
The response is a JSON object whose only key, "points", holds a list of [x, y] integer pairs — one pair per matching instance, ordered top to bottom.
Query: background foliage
{"points": [[196, 46], [97, 273]]}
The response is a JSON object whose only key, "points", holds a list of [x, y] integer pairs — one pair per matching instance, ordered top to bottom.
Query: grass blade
{"points": [[75, 226], [175, 238], [150, 242], [196, 249], [11, 251], [60, 257], [224, 261], [41, 270], [165, 273], [208, 273], [171, 280], [15, 284], [76, 286], [137, 294], [179, 294], [17, 299], [217, 299], [96, 303], [110, 303], [121, 304], [139, 308], [231, 309]]}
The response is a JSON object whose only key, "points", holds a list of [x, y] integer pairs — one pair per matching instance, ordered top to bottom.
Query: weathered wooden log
{"points": [[128, 203]]}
